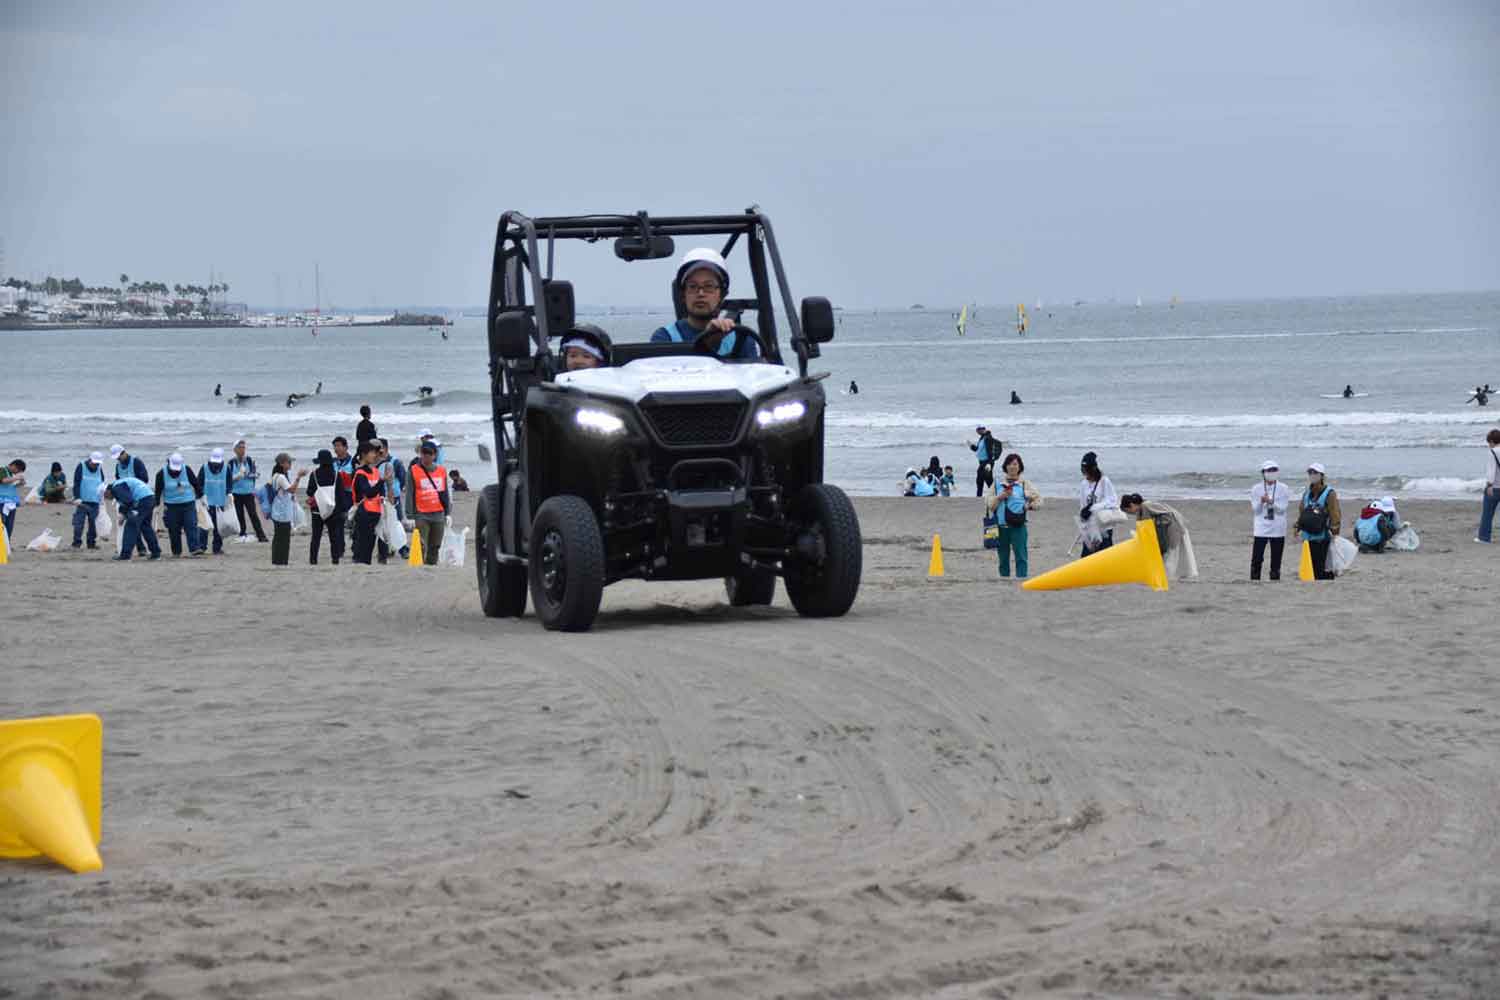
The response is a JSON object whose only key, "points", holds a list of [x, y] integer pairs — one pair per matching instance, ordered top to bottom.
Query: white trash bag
{"points": [[35, 496], [327, 501], [205, 521], [229, 522], [301, 522], [104, 525], [391, 529], [1405, 539], [45, 542], [455, 545], [1341, 555]]}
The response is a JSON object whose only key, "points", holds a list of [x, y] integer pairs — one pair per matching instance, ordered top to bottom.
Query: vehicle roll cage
{"points": [[517, 253]]}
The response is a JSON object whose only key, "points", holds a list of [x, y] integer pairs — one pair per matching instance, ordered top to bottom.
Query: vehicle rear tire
{"points": [[567, 564], [823, 582], [502, 586], [750, 586]]}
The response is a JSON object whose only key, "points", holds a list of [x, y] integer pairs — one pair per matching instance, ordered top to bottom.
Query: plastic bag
{"points": [[35, 496], [327, 501], [301, 521], [205, 522], [229, 522], [104, 525], [391, 529], [1405, 539], [45, 542], [455, 545], [1341, 555]]}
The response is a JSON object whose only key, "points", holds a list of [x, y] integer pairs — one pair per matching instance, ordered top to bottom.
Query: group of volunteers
{"points": [[224, 498], [1008, 498]]}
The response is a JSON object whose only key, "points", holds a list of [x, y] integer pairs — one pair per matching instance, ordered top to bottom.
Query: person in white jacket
{"points": [[1269, 500], [1098, 507]]}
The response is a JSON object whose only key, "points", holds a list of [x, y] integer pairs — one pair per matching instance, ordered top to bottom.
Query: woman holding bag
{"points": [[369, 499], [1009, 499], [329, 504], [283, 507]]}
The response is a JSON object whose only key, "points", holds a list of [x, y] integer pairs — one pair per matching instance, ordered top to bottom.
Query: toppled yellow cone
{"points": [[1137, 560], [51, 770]]}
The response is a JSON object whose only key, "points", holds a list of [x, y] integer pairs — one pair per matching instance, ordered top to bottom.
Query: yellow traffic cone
{"points": [[4, 546], [414, 555], [1135, 561], [935, 564], [1304, 568], [50, 775]]}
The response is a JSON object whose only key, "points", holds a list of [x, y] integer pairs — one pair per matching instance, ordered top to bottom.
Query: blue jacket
{"points": [[680, 332], [131, 491]]}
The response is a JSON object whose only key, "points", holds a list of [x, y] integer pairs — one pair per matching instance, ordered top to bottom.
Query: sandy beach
{"points": [[346, 782]]}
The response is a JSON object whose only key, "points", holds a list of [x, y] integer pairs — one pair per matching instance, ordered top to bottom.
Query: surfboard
{"points": [[1340, 395], [419, 400]]}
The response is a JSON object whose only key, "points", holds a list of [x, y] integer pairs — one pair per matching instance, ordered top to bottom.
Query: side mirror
{"points": [[636, 248], [558, 299], [817, 319], [511, 335]]}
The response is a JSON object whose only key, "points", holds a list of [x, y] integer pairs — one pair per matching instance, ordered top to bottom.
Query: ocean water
{"points": [[1181, 401]]}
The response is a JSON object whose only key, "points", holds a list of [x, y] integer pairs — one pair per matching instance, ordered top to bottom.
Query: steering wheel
{"points": [[700, 342]]}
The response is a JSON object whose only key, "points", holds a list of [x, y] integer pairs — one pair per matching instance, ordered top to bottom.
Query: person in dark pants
{"points": [[987, 451], [128, 466], [326, 475], [242, 476], [213, 477], [89, 481], [178, 490], [369, 495], [137, 500], [1269, 500], [283, 507], [1319, 522]]}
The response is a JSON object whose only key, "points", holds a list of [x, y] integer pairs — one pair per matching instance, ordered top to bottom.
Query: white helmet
{"points": [[700, 257]]}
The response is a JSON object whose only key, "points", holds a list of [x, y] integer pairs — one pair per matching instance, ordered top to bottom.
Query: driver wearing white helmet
{"points": [[703, 282]]}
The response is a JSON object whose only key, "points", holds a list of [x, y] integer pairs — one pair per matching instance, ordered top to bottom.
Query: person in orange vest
{"points": [[369, 494], [427, 497]]}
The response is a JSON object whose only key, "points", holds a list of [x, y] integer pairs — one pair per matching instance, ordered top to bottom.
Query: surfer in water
{"points": [[444, 333], [853, 388], [219, 389], [1348, 392], [1481, 395], [241, 397], [294, 398], [1014, 399]]}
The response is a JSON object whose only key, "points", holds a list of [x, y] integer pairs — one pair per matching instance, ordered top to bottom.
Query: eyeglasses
{"points": [[693, 287]]}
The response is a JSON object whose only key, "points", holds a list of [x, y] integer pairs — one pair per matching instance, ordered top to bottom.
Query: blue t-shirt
{"points": [[732, 346]]}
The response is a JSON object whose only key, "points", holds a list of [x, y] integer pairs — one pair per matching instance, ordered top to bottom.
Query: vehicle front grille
{"points": [[696, 425]]}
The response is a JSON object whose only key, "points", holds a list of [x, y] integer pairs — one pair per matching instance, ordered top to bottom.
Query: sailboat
{"points": [[1137, 301], [1021, 319], [963, 320]]}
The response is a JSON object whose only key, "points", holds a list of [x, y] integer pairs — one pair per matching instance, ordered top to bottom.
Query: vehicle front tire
{"points": [[567, 564], [822, 577], [502, 586], [749, 587]]}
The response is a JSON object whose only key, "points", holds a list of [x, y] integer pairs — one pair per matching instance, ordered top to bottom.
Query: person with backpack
{"points": [[987, 451], [1010, 498], [1269, 500], [1491, 501], [1319, 521], [1377, 524], [1171, 534]]}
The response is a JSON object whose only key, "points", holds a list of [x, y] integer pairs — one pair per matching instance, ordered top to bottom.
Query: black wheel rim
{"points": [[482, 557], [554, 570]]}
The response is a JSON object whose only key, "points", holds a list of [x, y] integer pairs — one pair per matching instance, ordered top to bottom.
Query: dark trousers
{"points": [[979, 479], [244, 507], [85, 512], [213, 515], [180, 519], [10, 522], [335, 528], [138, 529], [364, 535], [140, 537], [281, 542], [1104, 543], [1319, 553], [1257, 556]]}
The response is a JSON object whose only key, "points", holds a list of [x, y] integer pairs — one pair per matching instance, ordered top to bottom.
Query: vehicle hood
{"points": [[639, 379]]}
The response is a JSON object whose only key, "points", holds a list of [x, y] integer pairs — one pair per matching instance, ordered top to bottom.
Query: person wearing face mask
{"points": [[1269, 500], [1319, 521]]}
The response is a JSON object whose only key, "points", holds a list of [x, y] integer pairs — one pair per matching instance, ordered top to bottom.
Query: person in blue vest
{"points": [[703, 283], [987, 451], [129, 467], [393, 471], [242, 476], [12, 479], [213, 482], [88, 485], [177, 490], [137, 500], [1319, 520], [1377, 524]]}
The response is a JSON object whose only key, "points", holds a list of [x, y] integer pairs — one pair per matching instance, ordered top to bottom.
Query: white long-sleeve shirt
{"points": [[1492, 474], [1103, 493], [1280, 497]]}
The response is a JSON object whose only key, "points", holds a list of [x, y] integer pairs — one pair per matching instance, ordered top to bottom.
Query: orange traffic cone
{"points": [[1135, 561], [935, 563], [1304, 568], [51, 770]]}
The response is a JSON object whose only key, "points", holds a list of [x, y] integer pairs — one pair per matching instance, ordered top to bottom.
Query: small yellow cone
{"points": [[4, 546], [414, 557], [1137, 560], [935, 564], [1304, 568], [51, 770]]}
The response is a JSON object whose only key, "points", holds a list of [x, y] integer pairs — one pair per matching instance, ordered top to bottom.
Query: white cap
{"points": [[701, 257], [426, 432], [115, 449], [217, 455], [96, 456], [174, 460], [1269, 465], [1317, 467], [1388, 504]]}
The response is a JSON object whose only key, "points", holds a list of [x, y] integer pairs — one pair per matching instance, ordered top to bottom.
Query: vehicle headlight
{"points": [[782, 414], [599, 422]]}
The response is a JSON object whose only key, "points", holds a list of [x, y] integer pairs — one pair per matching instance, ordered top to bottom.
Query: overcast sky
{"points": [[931, 151]]}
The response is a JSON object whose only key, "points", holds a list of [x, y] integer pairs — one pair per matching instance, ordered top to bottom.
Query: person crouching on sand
{"points": [[369, 495], [1010, 497], [1269, 500], [1319, 522], [1171, 534]]}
